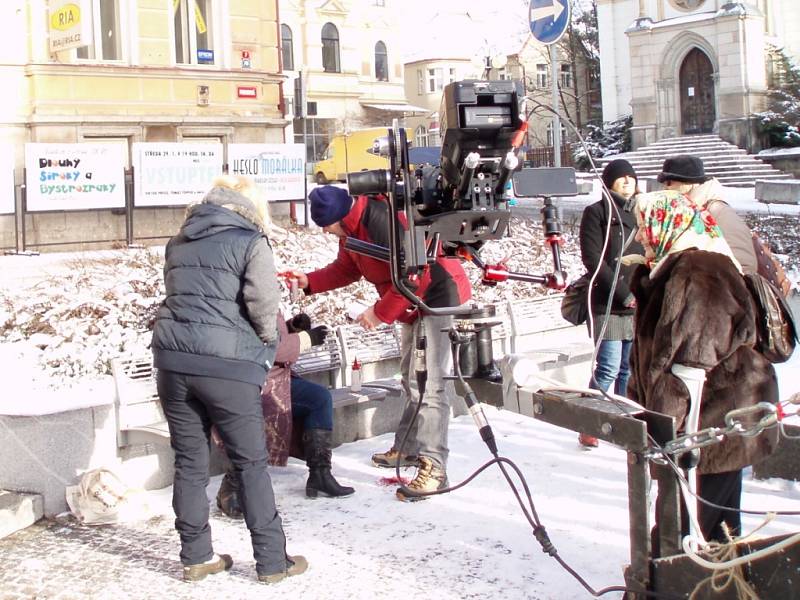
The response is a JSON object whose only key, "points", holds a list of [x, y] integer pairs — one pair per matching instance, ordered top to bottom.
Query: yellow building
{"points": [[153, 70], [145, 71]]}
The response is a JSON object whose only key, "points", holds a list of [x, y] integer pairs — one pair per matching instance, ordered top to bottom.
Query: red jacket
{"points": [[443, 284]]}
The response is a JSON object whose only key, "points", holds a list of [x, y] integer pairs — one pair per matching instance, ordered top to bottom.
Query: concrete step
{"points": [[727, 162], [19, 510]]}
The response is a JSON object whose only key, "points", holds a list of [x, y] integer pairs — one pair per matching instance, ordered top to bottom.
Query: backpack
{"points": [[769, 268]]}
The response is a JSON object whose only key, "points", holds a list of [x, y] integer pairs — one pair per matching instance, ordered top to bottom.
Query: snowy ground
{"points": [[472, 543]]}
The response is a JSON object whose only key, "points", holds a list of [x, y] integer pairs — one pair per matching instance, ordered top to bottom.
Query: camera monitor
{"points": [[545, 181]]}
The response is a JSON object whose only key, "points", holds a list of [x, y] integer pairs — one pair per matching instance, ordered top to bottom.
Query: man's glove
{"points": [[298, 323], [318, 334]]}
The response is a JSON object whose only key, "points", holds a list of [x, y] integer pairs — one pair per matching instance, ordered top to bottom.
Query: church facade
{"points": [[683, 67]]}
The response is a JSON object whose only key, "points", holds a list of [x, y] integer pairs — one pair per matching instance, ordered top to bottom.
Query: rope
{"points": [[722, 579]]}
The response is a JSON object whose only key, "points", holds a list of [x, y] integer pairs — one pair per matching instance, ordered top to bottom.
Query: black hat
{"points": [[684, 168], [616, 169]]}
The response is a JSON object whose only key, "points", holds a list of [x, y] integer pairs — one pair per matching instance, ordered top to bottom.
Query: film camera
{"points": [[462, 203]]}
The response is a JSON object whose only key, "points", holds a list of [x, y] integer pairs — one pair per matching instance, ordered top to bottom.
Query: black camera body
{"points": [[464, 201]]}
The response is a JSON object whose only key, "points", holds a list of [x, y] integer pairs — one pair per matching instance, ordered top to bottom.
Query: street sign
{"points": [[549, 19]]}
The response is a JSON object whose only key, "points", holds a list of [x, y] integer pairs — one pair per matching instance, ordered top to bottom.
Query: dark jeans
{"points": [[311, 403], [192, 404]]}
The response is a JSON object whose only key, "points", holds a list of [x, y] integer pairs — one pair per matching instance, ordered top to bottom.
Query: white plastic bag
{"points": [[101, 497]]}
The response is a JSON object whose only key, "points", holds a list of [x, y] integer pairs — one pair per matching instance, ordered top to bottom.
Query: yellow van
{"points": [[348, 153]]}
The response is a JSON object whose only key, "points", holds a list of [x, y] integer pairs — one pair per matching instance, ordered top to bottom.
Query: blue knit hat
{"points": [[329, 204]]}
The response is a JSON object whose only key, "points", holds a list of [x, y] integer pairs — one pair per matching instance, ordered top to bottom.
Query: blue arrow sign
{"points": [[549, 19]]}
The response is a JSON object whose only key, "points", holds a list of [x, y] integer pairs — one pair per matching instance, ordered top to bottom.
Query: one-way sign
{"points": [[549, 19]]}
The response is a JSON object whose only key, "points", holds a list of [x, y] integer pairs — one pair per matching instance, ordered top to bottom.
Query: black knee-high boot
{"points": [[317, 444]]}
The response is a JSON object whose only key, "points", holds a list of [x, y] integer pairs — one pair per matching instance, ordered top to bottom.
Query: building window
{"points": [[380, 2], [194, 26], [107, 44], [330, 48], [287, 56], [381, 62], [452, 75], [566, 75], [541, 76], [435, 80], [420, 82], [420, 136]]}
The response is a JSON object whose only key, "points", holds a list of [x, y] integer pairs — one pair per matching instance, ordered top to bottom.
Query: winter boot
{"points": [[317, 444], [390, 458], [430, 477], [228, 496], [216, 564], [295, 565]]}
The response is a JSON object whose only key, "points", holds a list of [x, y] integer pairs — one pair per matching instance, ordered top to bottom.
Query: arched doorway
{"points": [[697, 93]]}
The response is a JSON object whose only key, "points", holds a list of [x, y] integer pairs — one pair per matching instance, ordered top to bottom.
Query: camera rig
{"points": [[463, 203]]}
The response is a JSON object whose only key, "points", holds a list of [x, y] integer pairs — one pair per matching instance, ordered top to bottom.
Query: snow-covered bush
{"points": [[781, 123], [613, 137]]}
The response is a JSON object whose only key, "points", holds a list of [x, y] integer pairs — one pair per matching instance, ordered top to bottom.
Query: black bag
{"points": [[575, 304], [777, 332]]}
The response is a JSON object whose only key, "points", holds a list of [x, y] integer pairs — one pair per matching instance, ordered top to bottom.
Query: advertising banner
{"points": [[69, 24], [279, 170], [174, 173], [74, 176], [6, 179]]}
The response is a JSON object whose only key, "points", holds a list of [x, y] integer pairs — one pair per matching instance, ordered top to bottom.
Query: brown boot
{"points": [[390, 458], [430, 477], [228, 496], [217, 564], [297, 565]]}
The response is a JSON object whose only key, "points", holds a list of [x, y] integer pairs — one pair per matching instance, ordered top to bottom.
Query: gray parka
{"points": [[218, 318]]}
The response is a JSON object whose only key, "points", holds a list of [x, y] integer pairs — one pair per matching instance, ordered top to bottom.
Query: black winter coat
{"points": [[592, 236], [698, 312], [219, 315]]}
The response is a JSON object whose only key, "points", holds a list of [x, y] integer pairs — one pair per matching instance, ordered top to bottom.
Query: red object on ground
{"points": [[387, 481]]}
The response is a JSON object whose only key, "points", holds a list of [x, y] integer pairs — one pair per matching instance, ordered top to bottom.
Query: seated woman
{"points": [[694, 314], [288, 398]]}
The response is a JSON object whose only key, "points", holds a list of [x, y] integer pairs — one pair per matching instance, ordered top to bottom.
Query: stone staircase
{"points": [[728, 163]]}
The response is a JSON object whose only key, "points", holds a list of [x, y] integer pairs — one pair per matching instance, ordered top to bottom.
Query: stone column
{"points": [[668, 118]]}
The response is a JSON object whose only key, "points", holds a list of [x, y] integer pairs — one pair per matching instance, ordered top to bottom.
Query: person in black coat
{"points": [[214, 338], [611, 371]]}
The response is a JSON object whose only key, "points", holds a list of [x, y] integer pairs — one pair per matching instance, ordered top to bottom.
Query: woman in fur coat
{"points": [[694, 309]]}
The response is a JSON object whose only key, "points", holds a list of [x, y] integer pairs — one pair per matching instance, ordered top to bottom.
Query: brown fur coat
{"points": [[697, 311]]}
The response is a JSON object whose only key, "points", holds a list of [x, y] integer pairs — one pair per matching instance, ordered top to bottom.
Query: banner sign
{"points": [[69, 24], [279, 170], [174, 173], [74, 176], [6, 179]]}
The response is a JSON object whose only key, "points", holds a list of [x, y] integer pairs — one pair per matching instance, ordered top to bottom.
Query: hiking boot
{"points": [[587, 441], [389, 459], [430, 477], [217, 564], [298, 566]]}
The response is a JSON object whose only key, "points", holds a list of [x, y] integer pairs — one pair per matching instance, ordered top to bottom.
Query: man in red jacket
{"points": [[444, 284]]}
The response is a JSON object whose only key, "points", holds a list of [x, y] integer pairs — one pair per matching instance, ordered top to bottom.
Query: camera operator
{"points": [[444, 284]]}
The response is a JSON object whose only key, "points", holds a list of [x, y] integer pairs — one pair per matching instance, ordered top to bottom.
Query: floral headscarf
{"points": [[671, 222]]}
